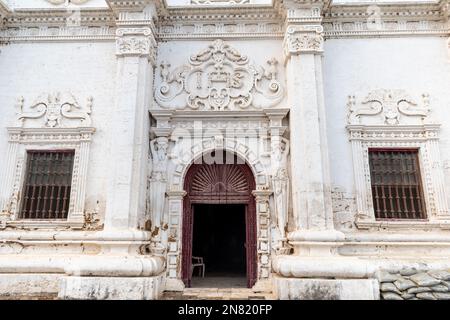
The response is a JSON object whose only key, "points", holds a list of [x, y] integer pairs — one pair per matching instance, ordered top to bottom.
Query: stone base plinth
{"points": [[16, 285], [110, 288], [326, 289]]}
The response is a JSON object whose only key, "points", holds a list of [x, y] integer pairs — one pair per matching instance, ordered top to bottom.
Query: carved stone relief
{"points": [[303, 39], [219, 78], [391, 105], [54, 109], [158, 181], [280, 181], [344, 208]]}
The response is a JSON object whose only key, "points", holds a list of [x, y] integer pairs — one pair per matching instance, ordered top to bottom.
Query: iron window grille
{"points": [[48, 182], [396, 184]]}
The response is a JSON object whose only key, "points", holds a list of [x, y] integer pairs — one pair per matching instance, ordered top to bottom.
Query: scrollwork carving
{"points": [[219, 78], [391, 105], [54, 108]]}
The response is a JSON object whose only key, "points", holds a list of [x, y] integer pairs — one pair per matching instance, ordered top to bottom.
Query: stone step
{"points": [[217, 294]]}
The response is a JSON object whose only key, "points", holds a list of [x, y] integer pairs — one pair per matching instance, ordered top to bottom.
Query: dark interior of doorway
{"points": [[219, 238]]}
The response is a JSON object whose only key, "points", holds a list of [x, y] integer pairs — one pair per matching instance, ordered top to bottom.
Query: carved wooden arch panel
{"points": [[219, 184]]}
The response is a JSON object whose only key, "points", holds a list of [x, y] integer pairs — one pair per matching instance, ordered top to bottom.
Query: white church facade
{"points": [[300, 148]]}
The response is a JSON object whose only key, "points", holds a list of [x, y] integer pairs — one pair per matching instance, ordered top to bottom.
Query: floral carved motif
{"points": [[303, 39], [135, 42], [219, 78], [391, 105], [53, 108]]}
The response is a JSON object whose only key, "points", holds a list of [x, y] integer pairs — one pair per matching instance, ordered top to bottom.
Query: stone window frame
{"points": [[423, 137], [23, 139]]}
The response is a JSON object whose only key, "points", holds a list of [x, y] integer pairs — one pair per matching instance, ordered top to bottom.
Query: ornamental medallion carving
{"points": [[219, 78], [391, 106], [54, 108]]}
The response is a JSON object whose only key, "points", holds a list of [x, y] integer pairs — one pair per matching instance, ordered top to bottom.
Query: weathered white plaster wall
{"points": [[357, 66], [83, 69]]}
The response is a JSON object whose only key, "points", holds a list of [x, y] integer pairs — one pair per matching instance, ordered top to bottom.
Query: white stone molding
{"points": [[58, 2], [219, 2], [385, 20], [249, 21], [61, 33], [219, 78], [392, 119], [45, 129]]}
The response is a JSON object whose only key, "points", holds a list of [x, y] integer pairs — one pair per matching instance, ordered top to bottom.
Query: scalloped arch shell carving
{"points": [[220, 179]]}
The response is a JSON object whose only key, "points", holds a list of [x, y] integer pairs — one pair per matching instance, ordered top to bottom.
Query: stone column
{"points": [[129, 129], [311, 190]]}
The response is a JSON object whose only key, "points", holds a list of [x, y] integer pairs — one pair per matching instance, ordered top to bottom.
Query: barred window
{"points": [[48, 180], [396, 184]]}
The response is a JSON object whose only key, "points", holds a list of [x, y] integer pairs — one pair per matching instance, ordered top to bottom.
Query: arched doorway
{"points": [[219, 188]]}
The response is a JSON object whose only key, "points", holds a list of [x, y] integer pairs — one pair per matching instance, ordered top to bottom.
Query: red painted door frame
{"points": [[226, 185]]}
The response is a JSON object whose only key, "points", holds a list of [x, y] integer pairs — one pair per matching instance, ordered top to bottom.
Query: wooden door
{"points": [[219, 184], [251, 244]]}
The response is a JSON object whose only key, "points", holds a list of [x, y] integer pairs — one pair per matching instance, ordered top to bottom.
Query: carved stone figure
{"points": [[280, 180], [158, 181]]}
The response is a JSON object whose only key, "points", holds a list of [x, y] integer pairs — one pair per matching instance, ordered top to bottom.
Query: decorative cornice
{"points": [[76, 2], [22, 18], [386, 19], [230, 22], [43, 33]]}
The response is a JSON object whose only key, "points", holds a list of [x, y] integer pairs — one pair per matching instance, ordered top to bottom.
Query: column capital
{"points": [[303, 39], [136, 42], [176, 194], [262, 195]]}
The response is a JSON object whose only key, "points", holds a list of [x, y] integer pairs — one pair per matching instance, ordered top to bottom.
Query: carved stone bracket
{"points": [[301, 39]]}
